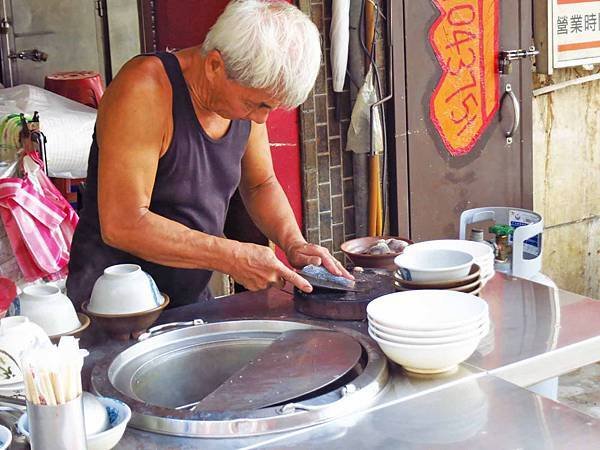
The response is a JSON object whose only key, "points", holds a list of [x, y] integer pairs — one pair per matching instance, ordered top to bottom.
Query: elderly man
{"points": [[175, 136]]}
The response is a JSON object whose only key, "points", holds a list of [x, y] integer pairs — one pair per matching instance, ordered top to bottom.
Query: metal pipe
{"points": [[356, 62], [356, 65], [564, 84], [376, 206]]}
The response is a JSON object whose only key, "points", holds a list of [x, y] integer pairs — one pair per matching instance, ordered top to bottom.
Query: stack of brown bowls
{"points": [[471, 283]]}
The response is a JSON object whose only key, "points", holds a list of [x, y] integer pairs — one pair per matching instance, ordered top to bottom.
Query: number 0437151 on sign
{"points": [[465, 41]]}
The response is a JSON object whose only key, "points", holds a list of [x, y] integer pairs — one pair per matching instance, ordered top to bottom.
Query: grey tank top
{"points": [[195, 180]]}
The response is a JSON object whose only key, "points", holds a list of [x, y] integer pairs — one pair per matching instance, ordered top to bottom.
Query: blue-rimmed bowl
{"points": [[119, 415]]}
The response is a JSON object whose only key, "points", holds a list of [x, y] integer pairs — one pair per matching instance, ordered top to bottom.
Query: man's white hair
{"points": [[268, 45]]}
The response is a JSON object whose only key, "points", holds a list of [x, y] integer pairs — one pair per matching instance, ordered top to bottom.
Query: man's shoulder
{"points": [[145, 69], [140, 80], [141, 83]]}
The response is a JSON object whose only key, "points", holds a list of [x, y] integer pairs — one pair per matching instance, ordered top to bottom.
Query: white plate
{"points": [[425, 310], [5, 384], [13, 385], [13, 389]]}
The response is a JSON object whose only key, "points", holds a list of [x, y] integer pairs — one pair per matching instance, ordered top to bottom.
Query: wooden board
{"points": [[345, 306]]}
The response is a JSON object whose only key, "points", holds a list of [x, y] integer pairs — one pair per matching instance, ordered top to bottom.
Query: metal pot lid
{"points": [[296, 364], [160, 374]]}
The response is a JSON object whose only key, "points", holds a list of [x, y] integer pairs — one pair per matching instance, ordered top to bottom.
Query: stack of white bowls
{"points": [[483, 255], [428, 331]]}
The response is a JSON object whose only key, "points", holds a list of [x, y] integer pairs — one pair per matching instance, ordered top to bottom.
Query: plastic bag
{"points": [[68, 126], [358, 132]]}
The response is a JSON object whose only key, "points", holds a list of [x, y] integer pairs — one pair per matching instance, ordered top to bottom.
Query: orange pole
{"points": [[374, 169], [375, 199], [380, 211]]}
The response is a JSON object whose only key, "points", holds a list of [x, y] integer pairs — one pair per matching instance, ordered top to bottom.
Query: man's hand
{"points": [[301, 254], [256, 267]]}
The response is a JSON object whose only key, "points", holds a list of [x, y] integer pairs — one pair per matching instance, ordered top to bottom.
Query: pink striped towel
{"points": [[39, 221]]}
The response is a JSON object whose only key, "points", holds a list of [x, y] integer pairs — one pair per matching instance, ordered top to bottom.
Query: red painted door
{"points": [[184, 24], [433, 186]]}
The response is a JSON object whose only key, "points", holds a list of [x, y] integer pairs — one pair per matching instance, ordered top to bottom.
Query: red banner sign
{"points": [[465, 41]]}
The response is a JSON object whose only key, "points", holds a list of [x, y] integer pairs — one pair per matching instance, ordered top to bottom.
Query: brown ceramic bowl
{"points": [[354, 249], [474, 275], [468, 288], [124, 326], [77, 332]]}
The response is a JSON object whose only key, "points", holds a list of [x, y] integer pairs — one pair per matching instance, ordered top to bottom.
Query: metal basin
{"points": [[179, 367]]}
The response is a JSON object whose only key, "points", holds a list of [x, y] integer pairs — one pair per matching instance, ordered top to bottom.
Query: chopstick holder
{"points": [[52, 376]]}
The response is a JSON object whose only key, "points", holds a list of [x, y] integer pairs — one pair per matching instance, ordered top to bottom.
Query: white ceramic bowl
{"points": [[477, 249], [482, 253], [484, 259], [434, 265], [124, 289], [49, 308], [427, 310], [481, 331], [430, 333], [17, 334], [428, 358], [13, 390], [119, 416], [5, 438]]}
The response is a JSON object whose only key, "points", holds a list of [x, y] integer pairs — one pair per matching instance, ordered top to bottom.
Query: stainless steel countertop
{"points": [[537, 333], [484, 412]]}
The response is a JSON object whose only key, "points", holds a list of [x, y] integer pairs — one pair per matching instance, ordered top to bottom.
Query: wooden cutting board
{"points": [[331, 305]]}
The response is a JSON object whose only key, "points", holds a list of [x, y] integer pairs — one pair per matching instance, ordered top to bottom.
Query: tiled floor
{"points": [[581, 389]]}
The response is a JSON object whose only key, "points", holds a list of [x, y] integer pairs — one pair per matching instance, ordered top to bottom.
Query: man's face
{"points": [[233, 101], [240, 102]]}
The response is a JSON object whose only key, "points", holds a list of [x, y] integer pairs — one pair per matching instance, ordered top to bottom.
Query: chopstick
{"points": [[52, 374]]}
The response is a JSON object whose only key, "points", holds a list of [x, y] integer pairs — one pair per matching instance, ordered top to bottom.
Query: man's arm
{"points": [[133, 127], [270, 209]]}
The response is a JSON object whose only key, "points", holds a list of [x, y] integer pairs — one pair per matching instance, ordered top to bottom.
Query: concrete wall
{"points": [[64, 29], [124, 32], [566, 157]]}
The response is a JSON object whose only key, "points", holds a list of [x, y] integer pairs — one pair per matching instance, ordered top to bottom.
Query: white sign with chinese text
{"points": [[575, 32]]}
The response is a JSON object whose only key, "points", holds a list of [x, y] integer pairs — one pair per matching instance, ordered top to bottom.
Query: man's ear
{"points": [[214, 66]]}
